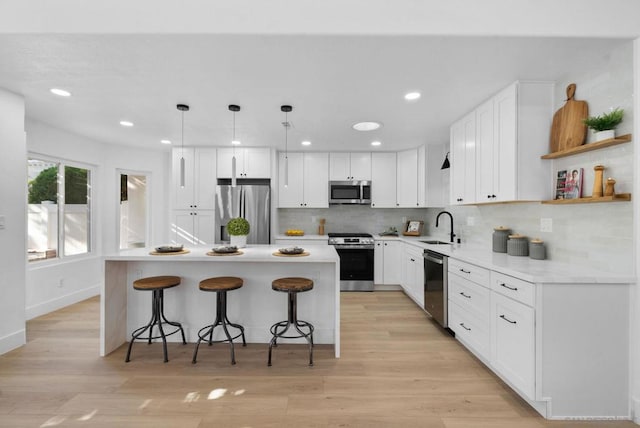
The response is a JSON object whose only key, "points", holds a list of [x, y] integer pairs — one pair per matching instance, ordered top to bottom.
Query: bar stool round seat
{"points": [[156, 284], [220, 285], [292, 286]]}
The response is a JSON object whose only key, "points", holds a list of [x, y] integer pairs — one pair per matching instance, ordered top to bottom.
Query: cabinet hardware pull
{"points": [[413, 260], [464, 271], [502, 284], [464, 295], [507, 319], [464, 326]]}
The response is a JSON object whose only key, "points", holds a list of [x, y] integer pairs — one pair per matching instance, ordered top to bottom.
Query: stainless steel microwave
{"points": [[350, 192]]}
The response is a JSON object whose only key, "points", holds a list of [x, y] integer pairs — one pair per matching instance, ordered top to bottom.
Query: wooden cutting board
{"points": [[567, 129]]}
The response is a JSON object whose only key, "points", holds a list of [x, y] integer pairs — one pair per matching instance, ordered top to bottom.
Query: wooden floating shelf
{"points": [[589, 147], [622, 197]]}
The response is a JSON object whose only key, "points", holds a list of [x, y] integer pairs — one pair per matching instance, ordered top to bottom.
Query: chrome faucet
{"points": [[450, 217]]}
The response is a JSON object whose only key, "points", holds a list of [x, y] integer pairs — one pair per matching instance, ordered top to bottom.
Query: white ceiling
{"points": [[331, 81]]}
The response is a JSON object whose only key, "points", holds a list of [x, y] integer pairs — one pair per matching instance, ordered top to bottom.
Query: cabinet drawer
{"points": [[468, 271], [517, 289], [470, 296], [471, 331]]}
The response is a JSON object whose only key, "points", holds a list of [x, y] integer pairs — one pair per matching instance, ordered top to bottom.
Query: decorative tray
{"points": [[169, 248], [225, 249], [291, 250]]}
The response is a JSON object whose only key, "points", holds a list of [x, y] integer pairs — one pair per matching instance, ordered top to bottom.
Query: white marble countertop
{"points": [[321, 253], [525, 268]]}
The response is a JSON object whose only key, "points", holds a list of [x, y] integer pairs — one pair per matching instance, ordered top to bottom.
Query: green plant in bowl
{"points": [[606, 121], [238, 226]]}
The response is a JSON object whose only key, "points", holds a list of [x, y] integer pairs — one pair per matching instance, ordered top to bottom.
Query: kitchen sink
{"points": [[435, 242]]}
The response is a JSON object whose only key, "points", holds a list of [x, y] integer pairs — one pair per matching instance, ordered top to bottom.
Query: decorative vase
{"points": [[604, 135], [239, 241]]}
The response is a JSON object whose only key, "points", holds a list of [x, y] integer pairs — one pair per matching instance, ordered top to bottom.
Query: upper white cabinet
{"points": [[506, 136], [463, 160], [251, 162], [349, 166], [308, 177], [199, 178], [411, 178], [437, 179], [383, 180]]}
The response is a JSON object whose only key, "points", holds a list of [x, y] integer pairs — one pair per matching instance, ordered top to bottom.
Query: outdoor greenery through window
{"points": [[59, 211]]}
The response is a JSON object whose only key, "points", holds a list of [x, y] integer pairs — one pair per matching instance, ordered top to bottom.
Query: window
{"points": [[59, 211]]}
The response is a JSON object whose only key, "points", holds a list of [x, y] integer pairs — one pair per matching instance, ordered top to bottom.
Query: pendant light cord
{"points": [[182, 133], [286, 135]]}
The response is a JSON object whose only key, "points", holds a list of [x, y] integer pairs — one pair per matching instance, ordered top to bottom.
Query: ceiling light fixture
{"points": [[60, 92], [412, 96], [182, 108], [234, 108], [286, 109], [126, 123], [366, 126], [165, 141], [306, 143], [375, 143], [446, 164]]}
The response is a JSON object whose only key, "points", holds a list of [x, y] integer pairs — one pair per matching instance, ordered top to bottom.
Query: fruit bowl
{"points": [[294, 232]]}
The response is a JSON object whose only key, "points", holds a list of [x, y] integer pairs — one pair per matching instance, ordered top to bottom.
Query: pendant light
{"points": [[182, 108], [234, 108], [286, 109], [446, 163]]}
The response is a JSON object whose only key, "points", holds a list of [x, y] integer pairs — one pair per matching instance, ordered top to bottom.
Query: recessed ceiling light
{"points": [[60, 92], [412, 96], [126, 123], [366, 126], [165, 141], [236, 142], [306, 143], [375, 143]]}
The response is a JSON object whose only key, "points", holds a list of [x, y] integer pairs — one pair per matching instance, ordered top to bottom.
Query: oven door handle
{"points": [[432, 259]]}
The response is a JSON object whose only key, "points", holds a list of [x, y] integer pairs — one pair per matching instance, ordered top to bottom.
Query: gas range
{"points": [[351, 240], [356, 260]]}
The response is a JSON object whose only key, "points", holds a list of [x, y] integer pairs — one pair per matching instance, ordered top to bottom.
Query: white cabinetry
{"points": [[508, 133], [463, 160], [250, 162], [349, 166], [411, 179], [437, 179], [383, 180], [307, 182], [192, 217], [387, 262], [413, 273]]}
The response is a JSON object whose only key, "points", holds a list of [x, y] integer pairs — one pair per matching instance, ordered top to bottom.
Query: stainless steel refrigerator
{"points": [[250, 199]]}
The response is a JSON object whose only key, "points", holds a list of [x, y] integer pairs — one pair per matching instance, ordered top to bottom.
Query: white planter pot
{"points": [[604, 135], [239, 241]]}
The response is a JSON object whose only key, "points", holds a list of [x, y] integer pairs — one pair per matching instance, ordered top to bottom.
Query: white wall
{"points": [[13, 206], [52, 285], [635, 295]]}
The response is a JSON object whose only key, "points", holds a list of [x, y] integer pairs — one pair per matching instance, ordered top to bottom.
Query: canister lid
{"points": [[502, 228], [517, 236], [537, 241]]}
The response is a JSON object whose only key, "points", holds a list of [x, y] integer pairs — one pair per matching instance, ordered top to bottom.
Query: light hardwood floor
{"points": [[398, 369]]}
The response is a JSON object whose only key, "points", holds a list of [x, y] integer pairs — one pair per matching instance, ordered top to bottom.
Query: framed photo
{"points": [[569, 183], [413, 228]]}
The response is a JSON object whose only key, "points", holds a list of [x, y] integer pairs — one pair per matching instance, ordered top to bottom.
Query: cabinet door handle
{"points": [[488, 196], [413, 260], [465, 271], [502, 284], [464, 295], [507, 320], [464, 326]]}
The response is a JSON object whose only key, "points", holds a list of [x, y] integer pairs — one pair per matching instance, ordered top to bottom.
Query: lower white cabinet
{"points": [[195, 227], [387, 262], [413, 273], [512, 342]]}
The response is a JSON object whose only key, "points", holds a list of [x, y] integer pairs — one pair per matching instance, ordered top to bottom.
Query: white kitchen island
{"points": [[255, 306]]}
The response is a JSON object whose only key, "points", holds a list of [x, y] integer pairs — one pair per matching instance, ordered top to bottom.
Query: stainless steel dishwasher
{"points": [[435, 286]]}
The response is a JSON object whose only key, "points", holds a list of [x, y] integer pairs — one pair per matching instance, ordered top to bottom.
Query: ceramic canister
{"points": [[500, 236], [517, 245], [537, 250]]}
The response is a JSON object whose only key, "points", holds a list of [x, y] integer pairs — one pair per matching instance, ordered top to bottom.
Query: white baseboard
{"points": [[61, 302], [12, 341]]}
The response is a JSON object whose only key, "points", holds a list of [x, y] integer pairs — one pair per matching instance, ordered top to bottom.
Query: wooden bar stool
{"points": [[157, 284], [220, 285], [292, 286]]}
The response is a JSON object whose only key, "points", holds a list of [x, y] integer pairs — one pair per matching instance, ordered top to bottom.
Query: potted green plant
{"points": [[604, 125], [238, 229]]}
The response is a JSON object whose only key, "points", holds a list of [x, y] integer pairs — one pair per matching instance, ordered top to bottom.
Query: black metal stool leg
{"points": [[292, 320]]}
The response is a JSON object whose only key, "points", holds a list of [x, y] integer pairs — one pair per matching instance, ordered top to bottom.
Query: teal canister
{"points": [[500, 236], [518, 245], [537, 250]]}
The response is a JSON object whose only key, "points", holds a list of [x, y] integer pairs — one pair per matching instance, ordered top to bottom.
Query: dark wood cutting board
{"points": [[567, 129]]}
